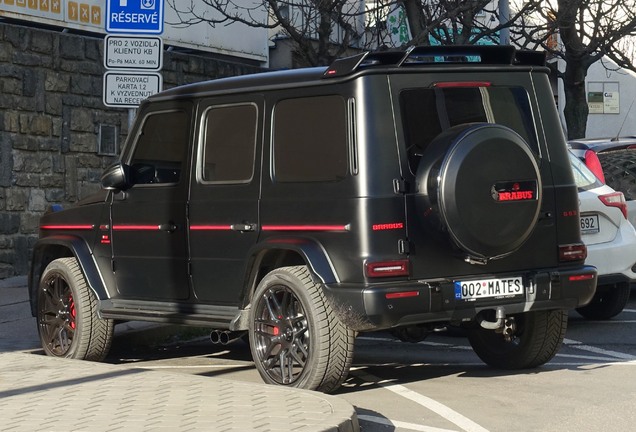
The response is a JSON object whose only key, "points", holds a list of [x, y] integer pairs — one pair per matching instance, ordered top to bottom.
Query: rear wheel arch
{"points": [[276, 253]]}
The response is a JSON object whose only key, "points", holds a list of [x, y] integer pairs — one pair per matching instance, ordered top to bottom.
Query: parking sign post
{"points": [[130, 58]]}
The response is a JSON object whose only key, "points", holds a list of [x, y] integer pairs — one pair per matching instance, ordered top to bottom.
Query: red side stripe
{"points": [[67, 227], [135, 227], [210, 227], [305, 228]]}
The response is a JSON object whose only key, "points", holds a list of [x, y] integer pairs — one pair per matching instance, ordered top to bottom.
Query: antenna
{"points": [[618, 134]]}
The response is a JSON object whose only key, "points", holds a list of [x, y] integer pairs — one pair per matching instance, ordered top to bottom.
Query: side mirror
{"points": [[116, 177]]}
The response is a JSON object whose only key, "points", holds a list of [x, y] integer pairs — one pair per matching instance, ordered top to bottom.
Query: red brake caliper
{"points": [[73, 313]]}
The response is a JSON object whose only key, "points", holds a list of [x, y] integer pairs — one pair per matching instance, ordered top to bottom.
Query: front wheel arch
{"points": [[64, 246], [66, 311]]}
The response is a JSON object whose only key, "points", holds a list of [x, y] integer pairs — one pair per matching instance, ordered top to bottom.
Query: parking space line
{"points": [[596, 350], [586, 357], [431, 404], [402, 425]]}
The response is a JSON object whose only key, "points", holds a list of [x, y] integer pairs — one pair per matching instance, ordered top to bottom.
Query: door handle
{"points": [[169, 227], [243, 227]]}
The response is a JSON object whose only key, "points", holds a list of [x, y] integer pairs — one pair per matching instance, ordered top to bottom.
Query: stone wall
{"points": [[51, 121]]}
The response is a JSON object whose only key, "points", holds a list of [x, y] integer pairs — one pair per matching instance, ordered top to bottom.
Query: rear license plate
{"points": [[589, 224], [489, 288]]}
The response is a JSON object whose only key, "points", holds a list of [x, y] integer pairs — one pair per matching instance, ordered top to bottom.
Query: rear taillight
{"points": [[594, 164], [615, 199], [572, 252], [387, 268]]}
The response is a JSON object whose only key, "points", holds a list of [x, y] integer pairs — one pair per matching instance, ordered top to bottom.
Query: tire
{"points": [[619, 168], [478, 172], [608, 301], [68, 324], [295, 337], [538, 338]]}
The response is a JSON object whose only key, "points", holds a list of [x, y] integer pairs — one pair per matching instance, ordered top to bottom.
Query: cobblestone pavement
{"points": [[50, 394]]}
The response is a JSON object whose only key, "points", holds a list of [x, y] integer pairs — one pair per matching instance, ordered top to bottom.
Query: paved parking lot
{"points": [[433, 386]]}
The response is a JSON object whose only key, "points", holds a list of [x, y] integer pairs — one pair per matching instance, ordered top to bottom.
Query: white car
{"points": [[610, 239]]}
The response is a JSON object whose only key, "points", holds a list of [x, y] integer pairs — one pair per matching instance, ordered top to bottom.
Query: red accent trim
{"points": [[462, 84], [516, 196], [387, 226], [67, 227], [135, 227], [210, 227], [305, 228], [582, 277], [403, 294]]}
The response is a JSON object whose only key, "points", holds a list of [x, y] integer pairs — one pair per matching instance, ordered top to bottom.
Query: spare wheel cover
{"points": [[489, 191]]}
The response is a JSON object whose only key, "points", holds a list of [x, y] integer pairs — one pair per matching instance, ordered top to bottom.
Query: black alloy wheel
{"points": [[56, 315], [67, 318], [295, 336], [282, 338]]}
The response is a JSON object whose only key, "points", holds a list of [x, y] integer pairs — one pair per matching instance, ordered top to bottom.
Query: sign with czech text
{"points": [[134, 16], [133, 52], [128, 89]]}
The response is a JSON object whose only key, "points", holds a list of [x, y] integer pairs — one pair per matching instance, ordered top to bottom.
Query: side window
{"points": [[310, 139], [229, 143], [161, 148]]}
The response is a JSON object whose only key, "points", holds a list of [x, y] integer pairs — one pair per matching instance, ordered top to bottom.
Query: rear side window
{"points": [[429, 111], [310, 139], [229, 143], [161, 148], [583, 177]]}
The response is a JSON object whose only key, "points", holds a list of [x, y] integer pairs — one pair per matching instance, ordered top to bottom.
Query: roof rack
{"points": [[418, 55]]}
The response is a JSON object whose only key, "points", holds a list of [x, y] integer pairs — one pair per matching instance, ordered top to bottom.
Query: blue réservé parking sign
{"points": [[134, 16]]}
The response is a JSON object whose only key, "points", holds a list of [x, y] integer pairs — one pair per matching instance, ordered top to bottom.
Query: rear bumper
{"points": [[616, 256], [367, 308]]}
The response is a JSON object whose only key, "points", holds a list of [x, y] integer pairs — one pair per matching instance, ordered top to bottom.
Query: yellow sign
{"points": [[80, 12]]}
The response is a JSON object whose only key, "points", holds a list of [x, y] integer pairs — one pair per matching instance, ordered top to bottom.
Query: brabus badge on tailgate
{"points": [[514, 191]]}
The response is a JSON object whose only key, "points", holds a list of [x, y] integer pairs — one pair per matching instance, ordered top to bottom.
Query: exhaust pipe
{"points": [[506, 326], [225, 337]]}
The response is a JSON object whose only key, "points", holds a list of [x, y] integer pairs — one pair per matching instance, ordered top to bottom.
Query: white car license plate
{"points": [[589, 224], [489, 288]]}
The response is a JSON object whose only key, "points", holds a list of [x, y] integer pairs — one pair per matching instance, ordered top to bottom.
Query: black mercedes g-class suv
{"points": [[402, 190]]}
